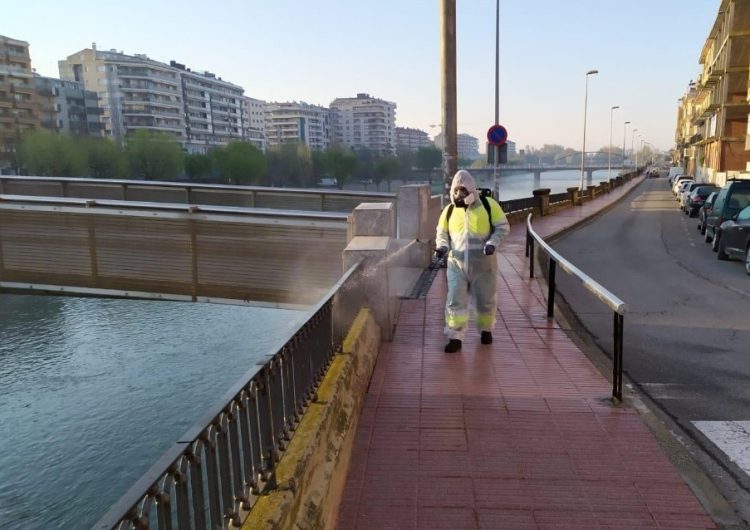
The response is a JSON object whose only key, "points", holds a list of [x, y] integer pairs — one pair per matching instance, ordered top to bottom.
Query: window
{"points": [[744, 215]]}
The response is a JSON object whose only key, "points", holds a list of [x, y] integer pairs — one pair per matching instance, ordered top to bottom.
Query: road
{"points": [[687, 335]]}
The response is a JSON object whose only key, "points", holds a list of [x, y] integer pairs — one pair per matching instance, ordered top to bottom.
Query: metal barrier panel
{"points": [[202, 255]]}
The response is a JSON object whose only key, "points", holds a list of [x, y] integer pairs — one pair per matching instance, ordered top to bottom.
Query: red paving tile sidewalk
{"points": [[518, 434]]}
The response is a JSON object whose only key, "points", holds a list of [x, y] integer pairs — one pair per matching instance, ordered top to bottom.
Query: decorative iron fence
{"points": [[211, 477]]}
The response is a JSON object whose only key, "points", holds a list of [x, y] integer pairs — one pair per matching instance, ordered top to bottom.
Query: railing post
{"points": [[531, 258], [551, 288], [618, 321]]}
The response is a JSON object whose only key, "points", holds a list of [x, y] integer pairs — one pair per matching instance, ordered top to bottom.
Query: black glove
{"points": [[489, 250], [441, 252]]}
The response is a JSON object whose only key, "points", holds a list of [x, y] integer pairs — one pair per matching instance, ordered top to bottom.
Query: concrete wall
{"points": [[312, 471]]}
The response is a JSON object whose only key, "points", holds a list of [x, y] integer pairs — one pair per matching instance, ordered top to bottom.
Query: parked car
{"points": [[673, 172], [677, 180], [327, 182], [681, 186], [685, 193], [696, 198], [732, 198], [705, 210], [734, 239]]}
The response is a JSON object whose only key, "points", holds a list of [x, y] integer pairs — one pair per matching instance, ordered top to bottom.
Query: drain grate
{"points": [[423, 283]]}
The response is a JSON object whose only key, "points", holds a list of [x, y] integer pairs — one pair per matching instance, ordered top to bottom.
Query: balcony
{"points": [[22, 89]]}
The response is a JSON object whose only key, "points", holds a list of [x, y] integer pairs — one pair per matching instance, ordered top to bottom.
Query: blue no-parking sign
{"points": [[497, 135]]}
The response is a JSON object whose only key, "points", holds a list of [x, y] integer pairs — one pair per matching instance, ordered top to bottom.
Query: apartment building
{"points": [[137, 93], [19, 104], [65, 107], [253, 111], [713, 116], [297, 122], [364, 122], [411, 139], [467, 146]]}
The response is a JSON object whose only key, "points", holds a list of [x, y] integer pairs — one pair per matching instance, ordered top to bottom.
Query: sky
{"points": [[646, 52]]}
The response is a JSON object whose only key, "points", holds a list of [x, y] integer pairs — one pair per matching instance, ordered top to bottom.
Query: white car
{"points": [[678, 184]]}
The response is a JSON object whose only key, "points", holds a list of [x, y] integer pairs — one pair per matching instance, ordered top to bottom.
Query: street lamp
{"points": [[585, 108], [624, 135], [640, 139], [632, 144], [609, 164]]}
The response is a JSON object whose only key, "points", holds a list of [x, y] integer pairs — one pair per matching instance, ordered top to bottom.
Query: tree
{"points": [[52, 155], [153, 156], [104, 158], [405, 159], [427, 159], [241, 162], [341, 163], [290, 164], [198, 165], [386, 168]]}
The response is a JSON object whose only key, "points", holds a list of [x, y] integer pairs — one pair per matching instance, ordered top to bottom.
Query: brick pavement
{"points": [[517, 434]]}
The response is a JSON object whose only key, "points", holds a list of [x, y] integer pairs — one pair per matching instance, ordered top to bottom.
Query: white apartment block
{"points": [[138, 93], [213, 110], [255, 121], [297, 122], [364, 122], [411, 139], [467, 146]]}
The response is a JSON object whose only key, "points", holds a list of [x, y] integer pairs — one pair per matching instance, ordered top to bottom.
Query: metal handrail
{"points": [[196, 186], [618, 307], [214, 473]]}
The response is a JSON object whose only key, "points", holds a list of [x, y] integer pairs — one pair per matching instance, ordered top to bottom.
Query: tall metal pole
{"points": [[497, 99], [585, 108], [450, 118], [624, 135], [632, 144], [609, 164]]}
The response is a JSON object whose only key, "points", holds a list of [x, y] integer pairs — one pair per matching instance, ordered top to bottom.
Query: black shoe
{"points": [[486, 337], [453, 346]]}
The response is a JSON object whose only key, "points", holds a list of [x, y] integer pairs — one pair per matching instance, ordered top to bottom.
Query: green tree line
{"points": [[157, 156]]}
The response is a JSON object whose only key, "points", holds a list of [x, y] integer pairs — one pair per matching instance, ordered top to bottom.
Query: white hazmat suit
{"points": [[469, 234]]}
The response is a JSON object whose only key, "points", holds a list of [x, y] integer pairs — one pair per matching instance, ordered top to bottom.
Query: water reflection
{"points": [[92, 391]]}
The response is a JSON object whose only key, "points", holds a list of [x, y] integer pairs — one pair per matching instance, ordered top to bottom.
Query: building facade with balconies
{"points": [[135, 92], [19, 103], [65, 107], [199, 109], [713, 119], [255, 121], [297, 122], [364, 122], [411, 139], [467, 146]]}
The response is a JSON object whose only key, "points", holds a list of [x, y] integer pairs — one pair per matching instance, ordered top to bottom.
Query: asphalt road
{"points": [[687, 335]]}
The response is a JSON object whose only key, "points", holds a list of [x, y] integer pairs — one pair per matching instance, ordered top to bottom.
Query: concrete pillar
{"points": [[589, 177], [537, 179], [612, 183], [593, 192], [573, 195], [542, 197], [413, 212], [373, 219], [372, 279]]}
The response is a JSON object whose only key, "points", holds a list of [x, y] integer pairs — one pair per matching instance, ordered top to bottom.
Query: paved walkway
{"points": [[518, 434]]}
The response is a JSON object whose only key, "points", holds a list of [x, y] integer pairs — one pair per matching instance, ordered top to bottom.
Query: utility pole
{"points": [[448, 85], [495, 179]]}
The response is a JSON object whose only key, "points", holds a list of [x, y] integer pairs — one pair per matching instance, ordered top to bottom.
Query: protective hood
{"points": [[463, 178]]}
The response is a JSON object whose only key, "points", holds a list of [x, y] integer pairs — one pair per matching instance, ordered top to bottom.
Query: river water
{"points": [[519, 186], [93, 391]]}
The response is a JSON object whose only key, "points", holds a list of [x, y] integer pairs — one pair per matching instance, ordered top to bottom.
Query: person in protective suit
{"points": [[469, 231]]}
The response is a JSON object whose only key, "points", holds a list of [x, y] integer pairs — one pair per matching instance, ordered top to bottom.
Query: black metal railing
{"points": [[559, 197], [517, 205], [618, 307], [211, 477]]}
